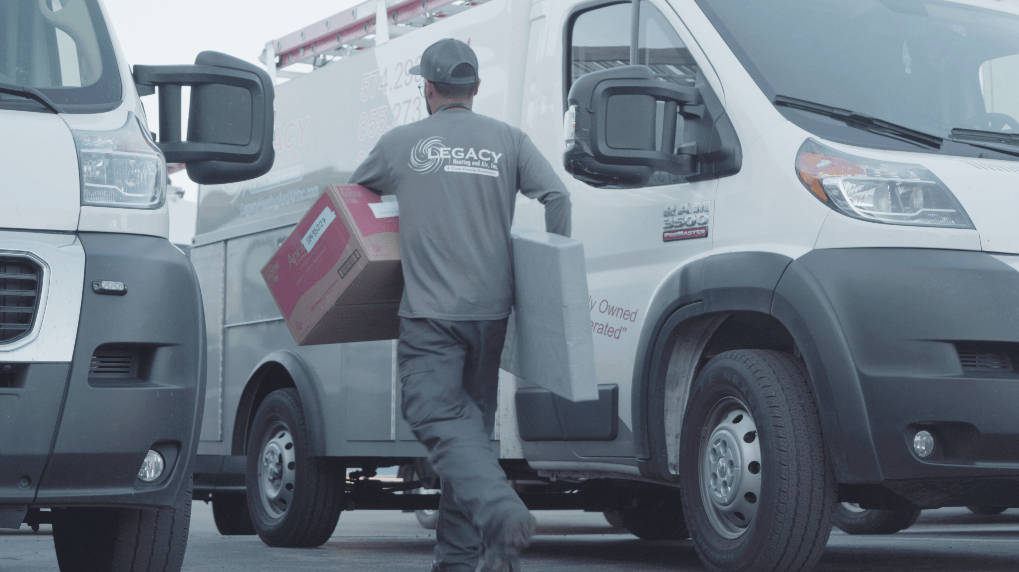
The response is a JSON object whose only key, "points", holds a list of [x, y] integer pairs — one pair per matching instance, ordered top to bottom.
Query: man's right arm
{"points": [[374, 173], [537, 180]]}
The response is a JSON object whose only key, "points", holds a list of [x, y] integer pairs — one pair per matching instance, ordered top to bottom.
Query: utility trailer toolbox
{"points": [[337, 277], [549, 340]]}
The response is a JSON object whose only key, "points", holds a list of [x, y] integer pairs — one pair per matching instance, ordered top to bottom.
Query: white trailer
{"points": [[801, 265]]}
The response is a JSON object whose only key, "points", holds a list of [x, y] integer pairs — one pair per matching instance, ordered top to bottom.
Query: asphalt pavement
{"points": [[942, 540]]}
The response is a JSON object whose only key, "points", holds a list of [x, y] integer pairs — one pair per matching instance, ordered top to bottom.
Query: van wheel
{"points": [[759, 486], [294, 500], [987, 509], [230, 511], [657, 515], [612, 517], [428, 519], [852, 519], [122, 539]]}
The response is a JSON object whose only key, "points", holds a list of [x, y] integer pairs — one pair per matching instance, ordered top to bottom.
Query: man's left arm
{"points": [[374, 172], [537, 180]]}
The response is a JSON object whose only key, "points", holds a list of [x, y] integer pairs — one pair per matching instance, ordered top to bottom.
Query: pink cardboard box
{"points": [[337, 277]]}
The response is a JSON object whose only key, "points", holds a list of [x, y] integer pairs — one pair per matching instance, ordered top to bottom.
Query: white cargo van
{"points": [[798, 224], [102, 336]]}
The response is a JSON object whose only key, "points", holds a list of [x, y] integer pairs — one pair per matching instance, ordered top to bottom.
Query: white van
{"points": [[798, 224], [102, 336]]}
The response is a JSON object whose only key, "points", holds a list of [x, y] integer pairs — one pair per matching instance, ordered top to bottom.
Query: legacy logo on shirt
{"points": [[431, 154]]}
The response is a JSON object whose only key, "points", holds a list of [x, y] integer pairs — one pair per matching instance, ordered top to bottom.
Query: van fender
{"points": [[766, 283], [704, 290], [280, 369]]}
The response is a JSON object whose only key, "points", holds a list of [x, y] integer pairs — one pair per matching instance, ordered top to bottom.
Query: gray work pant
{"points": [[450, 375]]}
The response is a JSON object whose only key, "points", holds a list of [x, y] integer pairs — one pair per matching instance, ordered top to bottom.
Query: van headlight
{"points": [[121, 168], [878, 191]]}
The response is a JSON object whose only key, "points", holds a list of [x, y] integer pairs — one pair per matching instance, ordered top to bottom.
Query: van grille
{"points": [[20, 281], [985, 362], [109, 364]]}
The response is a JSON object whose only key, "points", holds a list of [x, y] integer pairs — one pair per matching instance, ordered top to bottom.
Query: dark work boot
{"points": [[503, 553]]}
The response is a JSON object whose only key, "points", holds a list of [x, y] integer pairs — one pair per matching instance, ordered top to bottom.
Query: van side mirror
{"points": [[230, 120], [620, 126]]}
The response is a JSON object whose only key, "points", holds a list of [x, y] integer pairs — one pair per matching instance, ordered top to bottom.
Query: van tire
{"points": [[755, 408], [294, 499], [987, 510], [230, 511], [657, 516], [612, 517], [853, 520], [122, 539]]}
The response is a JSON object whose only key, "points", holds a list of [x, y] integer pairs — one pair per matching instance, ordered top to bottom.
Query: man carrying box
{"points": [[455, 175]]}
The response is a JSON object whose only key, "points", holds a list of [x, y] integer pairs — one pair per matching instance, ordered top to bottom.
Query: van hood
{"points": [[39, 184], [989, 191]]}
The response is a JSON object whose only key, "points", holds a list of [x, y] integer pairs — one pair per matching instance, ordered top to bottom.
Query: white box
{"points": [[549, 342]]}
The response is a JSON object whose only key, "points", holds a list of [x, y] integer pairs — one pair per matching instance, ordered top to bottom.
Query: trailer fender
{"points": [[280, 369]]}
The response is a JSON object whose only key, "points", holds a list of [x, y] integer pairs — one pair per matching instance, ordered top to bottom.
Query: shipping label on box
{"points": [[337, 277]]}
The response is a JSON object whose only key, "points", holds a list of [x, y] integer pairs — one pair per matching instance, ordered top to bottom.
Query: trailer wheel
{"points": [[759, 486], [294, 499], [987, 510], [230, 511], [657, 515], [852, 519], [122, 539]]}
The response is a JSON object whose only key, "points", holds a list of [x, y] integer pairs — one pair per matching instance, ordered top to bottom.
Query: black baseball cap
{"points": [[442, 57]]}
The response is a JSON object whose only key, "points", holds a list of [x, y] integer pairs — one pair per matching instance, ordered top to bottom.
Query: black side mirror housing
{"points": [[230, 121], [616, 121], [621, 126]]}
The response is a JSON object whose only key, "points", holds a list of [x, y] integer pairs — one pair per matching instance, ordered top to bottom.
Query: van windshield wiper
{"points": [[29, 93], [863, 121], [979, 135], [1005, 143]]}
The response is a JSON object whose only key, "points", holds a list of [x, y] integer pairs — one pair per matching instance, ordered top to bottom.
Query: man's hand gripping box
{"points": [[337, 277]]}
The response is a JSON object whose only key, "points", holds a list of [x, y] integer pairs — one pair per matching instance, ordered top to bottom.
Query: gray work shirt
{"points": [[456, 175]]}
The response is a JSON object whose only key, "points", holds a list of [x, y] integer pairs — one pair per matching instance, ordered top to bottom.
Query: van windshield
{"points": [[62, 49], [928, 65]]}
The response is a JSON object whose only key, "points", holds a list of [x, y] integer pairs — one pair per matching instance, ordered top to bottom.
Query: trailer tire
{"points": [[759, 484], [294, 499], [987, 510], [230, 511], [657, 516], [851, 519], [122, 539]]}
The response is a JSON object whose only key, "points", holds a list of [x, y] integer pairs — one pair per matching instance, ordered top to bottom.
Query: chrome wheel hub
{"points": [[730, 472], [276, 473], [853, 507]]}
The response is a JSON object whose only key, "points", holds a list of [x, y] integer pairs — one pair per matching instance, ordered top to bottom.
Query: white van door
{"points": [[632, 238]]}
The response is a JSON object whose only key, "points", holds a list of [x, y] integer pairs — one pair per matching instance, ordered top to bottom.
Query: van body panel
{"points": [[40, 166], [987, 190], [765, 202], [150, 222], [209, 262], [803, 307], [905, 316], [29, 410], [100, 443]]}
